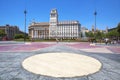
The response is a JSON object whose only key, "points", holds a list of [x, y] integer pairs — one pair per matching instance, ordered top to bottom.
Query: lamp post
{"points": [[25, 12], [95, 14]]}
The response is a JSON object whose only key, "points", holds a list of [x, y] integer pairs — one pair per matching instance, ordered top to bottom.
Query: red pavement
{"points": [[38, 45], [82, 45], [86, 45], [24, 47]]}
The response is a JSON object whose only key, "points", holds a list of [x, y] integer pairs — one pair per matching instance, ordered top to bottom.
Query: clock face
{"points": [[52, 15]]}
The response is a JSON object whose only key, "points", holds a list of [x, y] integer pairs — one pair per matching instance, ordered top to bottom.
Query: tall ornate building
{"points": [[53, 24], [55, 29]]}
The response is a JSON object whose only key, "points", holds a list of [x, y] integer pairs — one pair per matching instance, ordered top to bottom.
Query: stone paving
{"points": [[86, 45], [21, 47], [13, 54]]}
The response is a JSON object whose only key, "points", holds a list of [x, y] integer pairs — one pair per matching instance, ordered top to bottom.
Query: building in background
{"points": [[55, 29], [39, 30], [10, 31], [103, 31], [83, 33]]}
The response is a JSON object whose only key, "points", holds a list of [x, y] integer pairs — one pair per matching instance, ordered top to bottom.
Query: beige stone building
{"points": [[55, 29], [39, 30]]}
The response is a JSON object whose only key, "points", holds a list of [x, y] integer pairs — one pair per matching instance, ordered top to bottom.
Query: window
{"points": [[52, 15]]}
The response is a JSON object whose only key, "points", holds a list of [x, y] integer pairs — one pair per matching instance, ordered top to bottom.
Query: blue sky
{"points": [[108, 12]]}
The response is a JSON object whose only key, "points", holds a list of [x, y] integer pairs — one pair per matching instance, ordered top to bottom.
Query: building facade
{"points": [[55, 29], [39, 30], [68, 30], [10, 31]]}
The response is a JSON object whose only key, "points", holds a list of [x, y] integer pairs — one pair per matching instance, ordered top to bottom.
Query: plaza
{"points": [[60, 40], [103, 60]]}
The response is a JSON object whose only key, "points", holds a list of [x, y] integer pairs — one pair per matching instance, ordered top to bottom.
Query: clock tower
{"points": [[53, 23]]}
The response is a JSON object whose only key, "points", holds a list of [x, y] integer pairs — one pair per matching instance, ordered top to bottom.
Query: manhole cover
{"points": [[61, 64]]}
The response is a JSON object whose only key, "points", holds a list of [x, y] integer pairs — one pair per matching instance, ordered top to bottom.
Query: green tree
{"points": [[118, 29], [2, 33], [86, 33], [89, 34], [103, 34], [112, 34], [98, 35], [19, 36]]}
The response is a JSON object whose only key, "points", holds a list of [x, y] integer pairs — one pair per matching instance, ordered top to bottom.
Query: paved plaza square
{"points": [[62, 59]]}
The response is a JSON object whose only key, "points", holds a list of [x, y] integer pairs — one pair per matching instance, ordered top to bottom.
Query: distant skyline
{"points": [[108, 13]]}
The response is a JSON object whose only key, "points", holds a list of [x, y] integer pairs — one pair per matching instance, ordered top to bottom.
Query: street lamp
{"points": [[25, 12], [95, 14]]}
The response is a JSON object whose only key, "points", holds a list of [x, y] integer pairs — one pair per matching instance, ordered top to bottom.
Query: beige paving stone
{"points": [[97, 50], [61, 64]]}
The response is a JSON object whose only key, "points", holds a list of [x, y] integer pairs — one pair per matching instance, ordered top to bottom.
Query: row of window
{"points": [[67, 30], [64, 36]]}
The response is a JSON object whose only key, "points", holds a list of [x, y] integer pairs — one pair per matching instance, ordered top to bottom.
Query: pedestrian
{"points": [[57, 40], [106, 41]]}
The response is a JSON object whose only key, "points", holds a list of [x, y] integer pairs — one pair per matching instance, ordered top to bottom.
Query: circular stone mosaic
{"points": [[61, 64]]}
